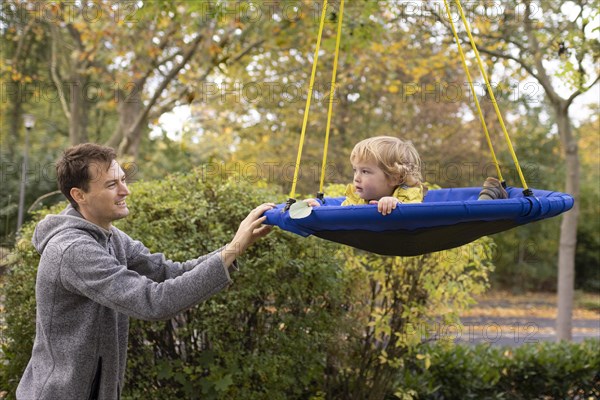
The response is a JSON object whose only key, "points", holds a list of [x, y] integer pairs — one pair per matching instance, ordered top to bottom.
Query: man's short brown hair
{"points": [[73, 168]]}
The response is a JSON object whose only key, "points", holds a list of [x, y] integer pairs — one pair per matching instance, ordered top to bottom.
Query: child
{"points": [[387, 171]]}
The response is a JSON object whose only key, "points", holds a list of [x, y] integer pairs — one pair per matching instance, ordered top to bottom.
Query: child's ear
{"points": [[394, 181]]}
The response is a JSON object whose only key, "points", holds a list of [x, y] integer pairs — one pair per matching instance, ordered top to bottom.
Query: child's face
{"points": [[370, 181]]}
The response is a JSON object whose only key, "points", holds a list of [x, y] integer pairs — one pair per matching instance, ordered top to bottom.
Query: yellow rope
{"points": [[331, 93], [491, 93], [308, 98], [481, 118]]}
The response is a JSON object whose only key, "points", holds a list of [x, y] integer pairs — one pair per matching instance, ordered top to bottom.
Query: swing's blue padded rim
{"points": [[441, 207]]}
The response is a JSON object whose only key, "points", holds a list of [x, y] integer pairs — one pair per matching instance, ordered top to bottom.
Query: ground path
{"points": [[502, 318]]}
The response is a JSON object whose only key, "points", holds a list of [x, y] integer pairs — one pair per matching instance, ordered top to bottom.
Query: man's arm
{"points": [[250, 231], [156, 267], [91, 271]]}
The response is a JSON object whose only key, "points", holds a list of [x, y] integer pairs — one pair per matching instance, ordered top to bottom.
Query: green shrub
{"points": [[18, 291], [19, 305], [304, 319], [266, 336], [545, 370]]}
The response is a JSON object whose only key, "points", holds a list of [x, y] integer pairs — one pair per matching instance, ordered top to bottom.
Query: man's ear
{"points": [[78, 195]]}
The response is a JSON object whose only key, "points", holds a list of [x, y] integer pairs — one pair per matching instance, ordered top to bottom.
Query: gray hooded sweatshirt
{"points": [[89, 282]]}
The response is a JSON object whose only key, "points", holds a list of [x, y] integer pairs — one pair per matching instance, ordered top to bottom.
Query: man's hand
{"points": [[385, 205], [250, 231]]}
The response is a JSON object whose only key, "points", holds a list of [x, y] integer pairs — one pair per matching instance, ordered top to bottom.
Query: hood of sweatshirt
{"points": [[68, 222]]}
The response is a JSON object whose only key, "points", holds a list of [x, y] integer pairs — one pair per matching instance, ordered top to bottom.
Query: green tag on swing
{"points": [[299, 210]]}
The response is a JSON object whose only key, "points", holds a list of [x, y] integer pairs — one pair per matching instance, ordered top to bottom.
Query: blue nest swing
{"points": [[447, 218]]}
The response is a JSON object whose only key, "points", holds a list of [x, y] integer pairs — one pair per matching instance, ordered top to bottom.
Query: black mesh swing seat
{"points": [[447, 218]]}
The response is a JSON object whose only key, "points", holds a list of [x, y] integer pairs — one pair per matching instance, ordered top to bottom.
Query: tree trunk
{"points": [[78, 110], [127, 136], [11, 140], [130, 144], [568, 229]]}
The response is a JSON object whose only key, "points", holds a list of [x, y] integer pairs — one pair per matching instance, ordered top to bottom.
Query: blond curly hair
{"points": [[398, 159]]}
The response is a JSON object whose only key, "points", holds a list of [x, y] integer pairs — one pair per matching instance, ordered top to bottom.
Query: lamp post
{"points": [[29, 122]]}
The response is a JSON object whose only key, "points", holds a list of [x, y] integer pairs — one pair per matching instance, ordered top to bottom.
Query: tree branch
{"points": [[22, 38], [246, 51], [154, 64], [525, 66], [55, 74], [172, 74], [542, 75], [581, 91], [164, 107]]}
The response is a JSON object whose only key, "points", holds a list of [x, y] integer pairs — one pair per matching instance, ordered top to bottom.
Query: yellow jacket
{"points": [[403, 193]]}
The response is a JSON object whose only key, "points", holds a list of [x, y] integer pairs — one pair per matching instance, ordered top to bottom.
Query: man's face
{"points": [[104, 202]]}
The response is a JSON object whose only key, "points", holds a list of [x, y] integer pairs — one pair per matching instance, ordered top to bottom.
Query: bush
{"points": [[399, 303], [19, 316], [304, 319], [265, 337], [533, 371]]}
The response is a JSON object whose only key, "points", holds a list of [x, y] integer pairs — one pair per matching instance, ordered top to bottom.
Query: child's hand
{"points": [[312, 202], [385, 205]]}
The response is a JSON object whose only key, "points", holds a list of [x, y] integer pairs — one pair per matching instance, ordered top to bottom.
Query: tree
{"points": [[191, 42], [552, 42], [132, 60], [117, 66], [24, 77], [388, 83], [588, 258]]}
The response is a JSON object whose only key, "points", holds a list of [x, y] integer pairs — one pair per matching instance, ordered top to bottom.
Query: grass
{"points": [[588, 301]]}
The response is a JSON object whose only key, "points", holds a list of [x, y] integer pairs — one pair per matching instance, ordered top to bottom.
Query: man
{"points": [[92, 277]]}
